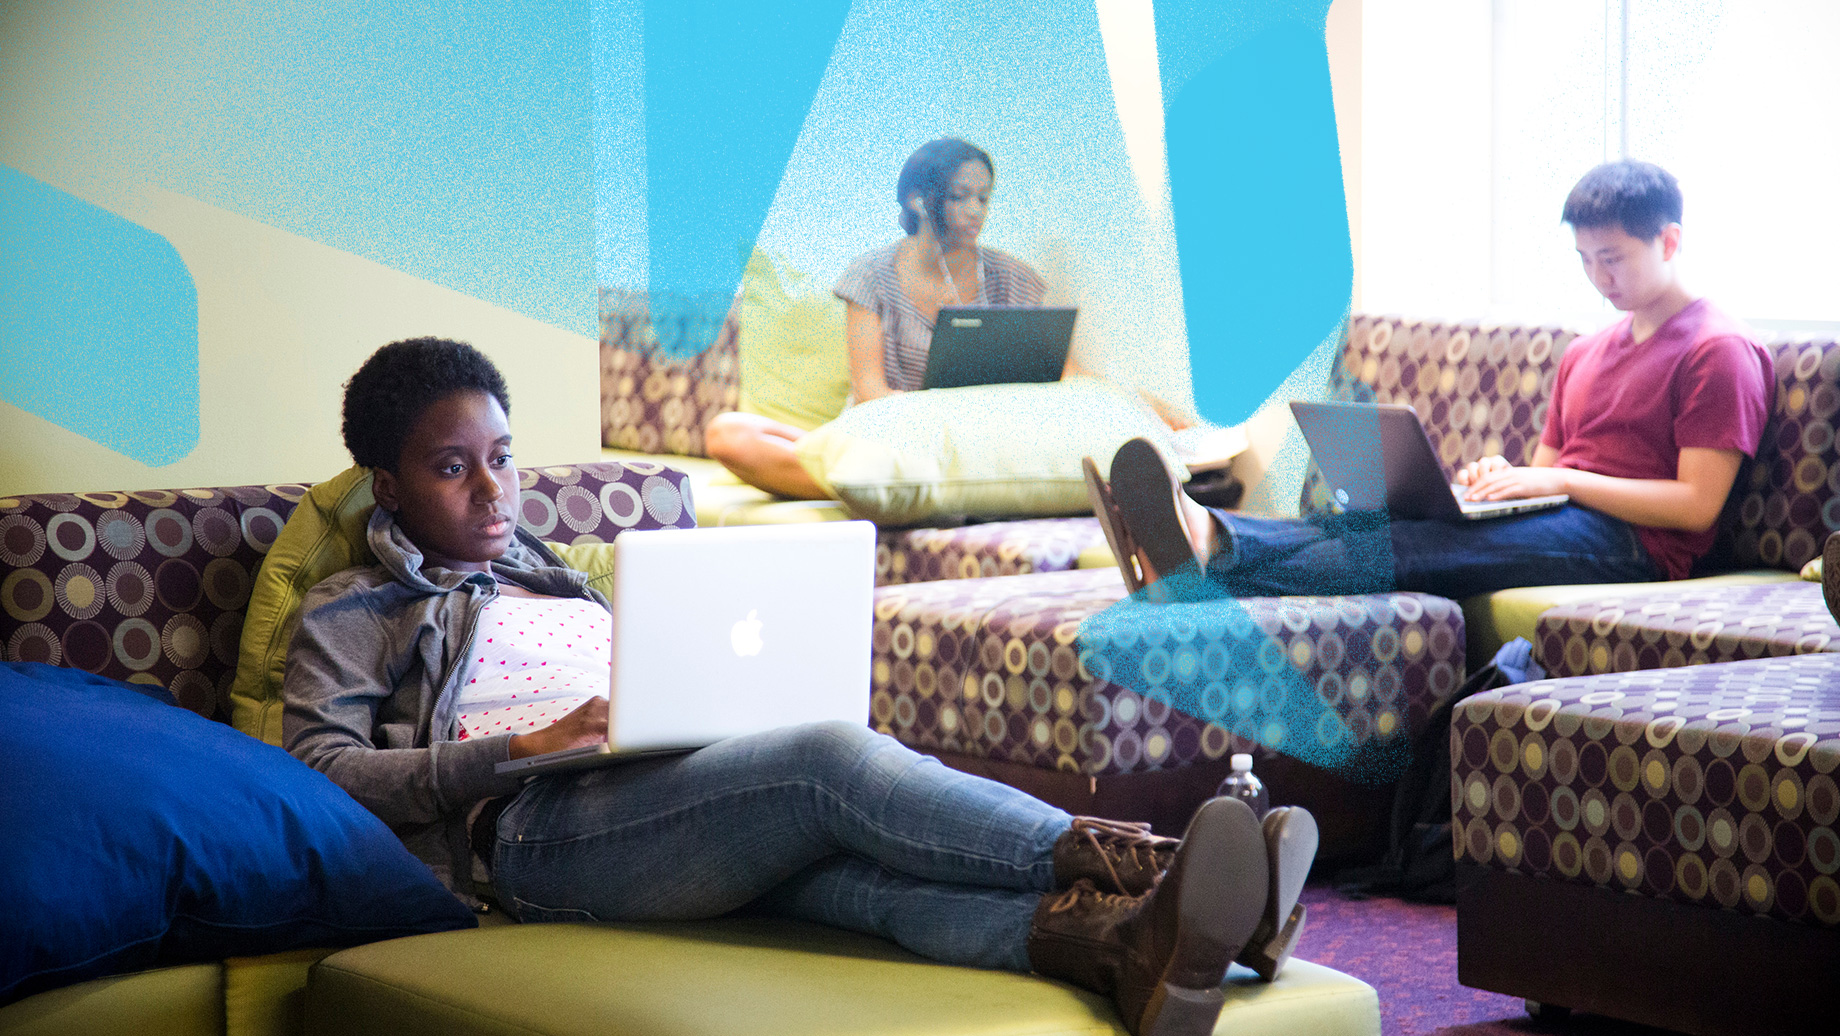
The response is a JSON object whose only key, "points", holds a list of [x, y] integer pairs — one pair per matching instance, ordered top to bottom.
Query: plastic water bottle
{"points": [[1242, 785]]}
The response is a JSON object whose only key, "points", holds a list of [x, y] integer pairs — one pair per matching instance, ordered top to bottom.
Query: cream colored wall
{"points": [[326, 199], [282, 323]]}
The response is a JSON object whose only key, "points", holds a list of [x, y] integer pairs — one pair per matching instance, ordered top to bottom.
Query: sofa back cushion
{"points": [[793, 364], [1479, 391], [651, 400], [1787, 500], [147, 586], [152, 586]]}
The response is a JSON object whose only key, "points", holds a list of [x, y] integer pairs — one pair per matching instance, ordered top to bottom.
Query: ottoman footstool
{"points": [[1623, 629], [1056, 683], [1658, 846], [758, 976]]}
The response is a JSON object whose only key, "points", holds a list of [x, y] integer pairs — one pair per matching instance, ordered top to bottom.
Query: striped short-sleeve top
{"points": [[872, 283]]}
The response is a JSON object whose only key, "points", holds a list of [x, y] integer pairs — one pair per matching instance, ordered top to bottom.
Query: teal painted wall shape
{"points": [[98, 323]]}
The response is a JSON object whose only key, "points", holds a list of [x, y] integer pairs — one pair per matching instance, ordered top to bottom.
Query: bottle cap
{"points": [[1242, 762]]}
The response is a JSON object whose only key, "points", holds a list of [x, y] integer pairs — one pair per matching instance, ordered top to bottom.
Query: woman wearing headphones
{"points": [[893, 295]]}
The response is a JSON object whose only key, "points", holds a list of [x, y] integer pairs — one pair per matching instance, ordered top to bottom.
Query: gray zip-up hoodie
{"points": [[371, 687]]}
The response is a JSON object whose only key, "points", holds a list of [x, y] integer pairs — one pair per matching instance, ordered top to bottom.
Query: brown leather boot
{"points": [[1290, 848], [1116, 855], [1162, 956]]}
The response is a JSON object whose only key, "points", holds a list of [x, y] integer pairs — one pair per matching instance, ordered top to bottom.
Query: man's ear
{"points": [[1670, 241], [383, 487]]}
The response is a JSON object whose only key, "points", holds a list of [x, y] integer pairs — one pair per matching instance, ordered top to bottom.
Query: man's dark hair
{"points": [[929, 173], [1640, 197], [402, 379]]}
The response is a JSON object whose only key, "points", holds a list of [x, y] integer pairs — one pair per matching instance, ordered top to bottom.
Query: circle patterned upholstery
{"points": [[1479, 391], [651, 402], [1787, 500], [983, 550], [146, 586], [150, 586], [1659, 629], [1024, 669], [1713, 785]]}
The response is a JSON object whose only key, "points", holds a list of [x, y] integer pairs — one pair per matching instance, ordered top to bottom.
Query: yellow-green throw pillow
{"points": [[794, 367], [990, 450], [325, 534], [1812, 570]]}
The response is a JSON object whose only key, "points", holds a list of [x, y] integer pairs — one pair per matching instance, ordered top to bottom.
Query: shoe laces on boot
{"points": [[1119, 855]]}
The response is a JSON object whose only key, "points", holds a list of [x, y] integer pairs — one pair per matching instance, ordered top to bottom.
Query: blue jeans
{"points": [[1366, 552], [829, 822]]}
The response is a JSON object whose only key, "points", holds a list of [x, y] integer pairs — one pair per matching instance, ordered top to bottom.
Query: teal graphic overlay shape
{"points": [[727, 88], [448, 141], [1255, 182], [1262, 240], [98, 323], [1183, 644]]}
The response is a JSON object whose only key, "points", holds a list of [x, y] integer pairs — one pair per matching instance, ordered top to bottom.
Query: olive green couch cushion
{"points": [[794, 364], [994, 451], [723, 499], [325, 534], [1491, 620], [764, 977], [242, 996], [267, 996], [182, 1001]]}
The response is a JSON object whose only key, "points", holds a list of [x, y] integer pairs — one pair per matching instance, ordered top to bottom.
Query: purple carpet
{"points": [[1408, 951]]}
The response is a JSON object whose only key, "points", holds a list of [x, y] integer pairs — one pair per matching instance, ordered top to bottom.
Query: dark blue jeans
{"points": [[1367, 552], [830, 822]]}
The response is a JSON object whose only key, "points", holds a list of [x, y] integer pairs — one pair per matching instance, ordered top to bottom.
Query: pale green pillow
{"points": [[793, 361], [990, 451], [324, 535]]}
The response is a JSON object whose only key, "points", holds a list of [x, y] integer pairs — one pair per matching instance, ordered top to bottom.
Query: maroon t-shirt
{"points": [[1626, 408]]}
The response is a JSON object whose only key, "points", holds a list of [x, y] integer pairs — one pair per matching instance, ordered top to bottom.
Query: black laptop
{"points": [[998, 345]]}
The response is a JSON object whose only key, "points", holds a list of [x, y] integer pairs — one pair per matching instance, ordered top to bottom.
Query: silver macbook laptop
{"points": [[998, 345], [1377, 455], [727, 631]]}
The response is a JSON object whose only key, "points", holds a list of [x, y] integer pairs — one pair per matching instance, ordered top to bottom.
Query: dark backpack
{"points": [[1418, 864]]}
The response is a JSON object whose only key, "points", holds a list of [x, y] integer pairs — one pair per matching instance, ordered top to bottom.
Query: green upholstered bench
{"points": [[761, 976], [241, 996]]}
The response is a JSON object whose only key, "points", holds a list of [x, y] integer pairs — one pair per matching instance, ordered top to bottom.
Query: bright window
{"points": [[1481, 117]]}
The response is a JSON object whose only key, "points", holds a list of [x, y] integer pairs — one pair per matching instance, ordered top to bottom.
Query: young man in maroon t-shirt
{"points": [[1649, 422]]}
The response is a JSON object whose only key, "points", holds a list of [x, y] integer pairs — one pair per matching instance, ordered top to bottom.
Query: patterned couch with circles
{"points": [[654, 405], [152, 586], [985, 646], [1326, 692], [1027, 708], [1652, 835]]}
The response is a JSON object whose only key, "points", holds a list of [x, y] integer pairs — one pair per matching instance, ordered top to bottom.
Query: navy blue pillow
{"points": [[136, 834]]}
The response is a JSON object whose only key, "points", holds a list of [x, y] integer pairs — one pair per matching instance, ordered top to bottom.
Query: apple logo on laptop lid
{"points": [[745, 636]]}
